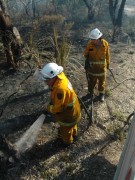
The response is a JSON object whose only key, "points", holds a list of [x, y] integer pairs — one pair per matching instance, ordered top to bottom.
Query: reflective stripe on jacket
{"points": [[64, 102], [71, 104]]}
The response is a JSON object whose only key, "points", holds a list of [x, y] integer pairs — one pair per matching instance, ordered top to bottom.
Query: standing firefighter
{"points": [[10, 38], [97, 62], [63, 101]]}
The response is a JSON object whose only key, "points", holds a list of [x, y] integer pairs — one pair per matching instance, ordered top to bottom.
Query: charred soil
{"points": [[96, 153]]}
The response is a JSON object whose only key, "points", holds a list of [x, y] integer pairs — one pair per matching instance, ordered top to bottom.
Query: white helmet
{"points": [[95, 34], [50, 70]]}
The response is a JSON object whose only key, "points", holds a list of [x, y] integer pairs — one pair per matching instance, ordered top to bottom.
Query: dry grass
{"points": [[52, 19], [62, 50]]}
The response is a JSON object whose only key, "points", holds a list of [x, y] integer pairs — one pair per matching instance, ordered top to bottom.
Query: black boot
{"points": [[101, 97]]}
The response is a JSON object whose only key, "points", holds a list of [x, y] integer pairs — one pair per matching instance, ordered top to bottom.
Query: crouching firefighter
{"points": [[11, 40], [97, 62], [64, 103]]}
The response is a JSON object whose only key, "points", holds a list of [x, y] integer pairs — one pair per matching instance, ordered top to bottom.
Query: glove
{"points": [[45, 112]]}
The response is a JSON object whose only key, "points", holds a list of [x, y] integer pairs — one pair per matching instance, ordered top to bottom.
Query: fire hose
{"points": [[110, 69], [89, 115]]}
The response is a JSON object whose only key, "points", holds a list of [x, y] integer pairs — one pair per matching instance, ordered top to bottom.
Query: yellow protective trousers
{"points": [[93, 79], [69, 130], [68, 133]]}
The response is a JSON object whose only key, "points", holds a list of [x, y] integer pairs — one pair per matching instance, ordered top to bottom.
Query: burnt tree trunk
{"points": [[34, 8], [90, 11], [120, 14], [116, 17], [8, 152]]}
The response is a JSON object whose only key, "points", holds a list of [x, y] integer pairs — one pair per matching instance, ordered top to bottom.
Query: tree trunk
{"points": [[34, 8], [112, 10], [90, 11], [120, 14], [116, 19]]}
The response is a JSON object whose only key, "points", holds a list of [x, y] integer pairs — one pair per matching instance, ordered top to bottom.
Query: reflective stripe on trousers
{"points": [[96, 62], [94, 74], [70, 124]]}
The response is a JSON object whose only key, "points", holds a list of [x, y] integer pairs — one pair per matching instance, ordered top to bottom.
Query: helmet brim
{"points": [[60, 69], [39, 76]]}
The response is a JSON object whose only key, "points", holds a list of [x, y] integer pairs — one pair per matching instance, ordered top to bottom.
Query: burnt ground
{"points": [[96, 153]]}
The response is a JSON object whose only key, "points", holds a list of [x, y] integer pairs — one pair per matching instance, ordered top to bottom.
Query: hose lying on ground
{"points": [[121, 81], [90, 118]]}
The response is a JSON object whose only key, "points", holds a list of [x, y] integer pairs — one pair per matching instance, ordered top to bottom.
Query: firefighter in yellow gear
{"points": [[97, 61], [64, 103]]}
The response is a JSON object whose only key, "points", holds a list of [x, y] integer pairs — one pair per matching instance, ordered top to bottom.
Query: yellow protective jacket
{"points": [[99, 57], [64, 102]]}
